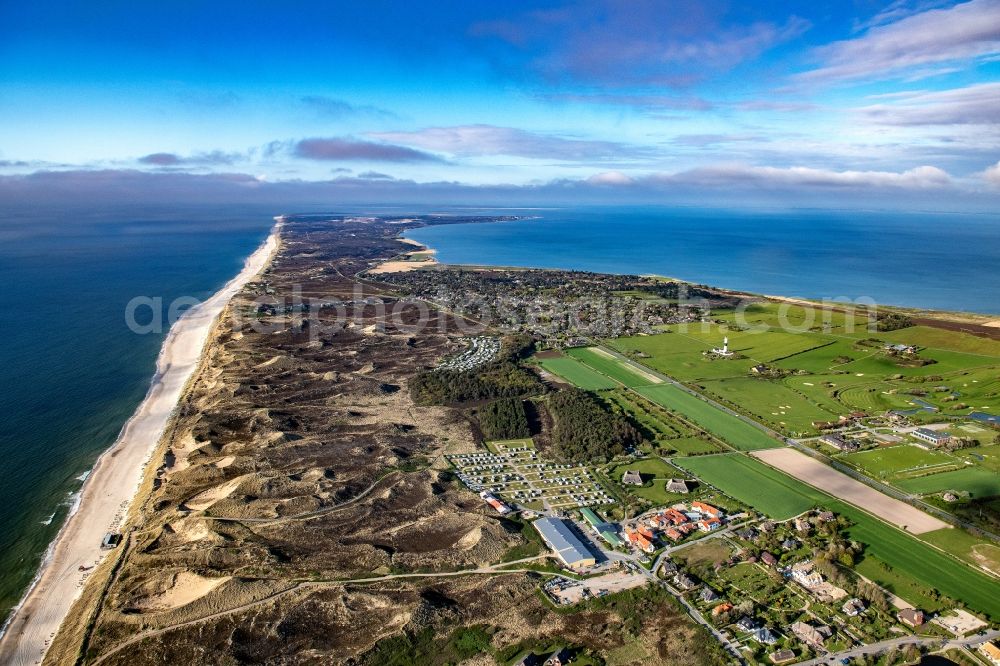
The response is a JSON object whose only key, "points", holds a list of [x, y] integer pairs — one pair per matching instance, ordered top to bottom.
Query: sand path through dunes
{"points": [[117, 475], [829, 480]]}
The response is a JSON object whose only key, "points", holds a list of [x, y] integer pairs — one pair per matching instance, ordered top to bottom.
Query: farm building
{"points": [[932, 437], [839, 443], [567, 546]]}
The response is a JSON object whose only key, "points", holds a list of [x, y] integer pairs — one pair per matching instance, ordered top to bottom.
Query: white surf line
{"points": [[110, 489]]}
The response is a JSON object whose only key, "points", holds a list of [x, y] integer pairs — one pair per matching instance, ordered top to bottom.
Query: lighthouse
{"points": [[725, 345]]}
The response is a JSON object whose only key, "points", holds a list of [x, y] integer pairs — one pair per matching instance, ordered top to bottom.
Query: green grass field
{"points": [[610, 366], [576, 373], [771, 402], [733, 430], [887, 462], [659, 471], [974, 480], [754, 483], [913, 567]]}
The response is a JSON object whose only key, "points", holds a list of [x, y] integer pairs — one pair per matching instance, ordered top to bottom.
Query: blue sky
{"points": [[603, 99]]}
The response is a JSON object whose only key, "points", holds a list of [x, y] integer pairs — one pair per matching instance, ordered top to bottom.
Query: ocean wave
{"points": [[83, 477], [48, 521]]}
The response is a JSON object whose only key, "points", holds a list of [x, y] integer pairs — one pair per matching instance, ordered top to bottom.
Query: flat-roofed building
{"points": [[932, 437], [567, 546]]}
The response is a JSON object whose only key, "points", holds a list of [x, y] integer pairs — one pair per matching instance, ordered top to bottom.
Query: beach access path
{"points": [[117, 475]]}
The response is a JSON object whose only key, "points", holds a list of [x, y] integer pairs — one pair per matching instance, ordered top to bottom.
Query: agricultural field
{"points": [[613, 367], [575, 372], [732, 429], [754, 483]]}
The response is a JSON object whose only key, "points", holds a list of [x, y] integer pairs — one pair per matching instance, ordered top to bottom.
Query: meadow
{"points": [[576, 373], [773, 403], [731, 429], [657, 472], [976, 481], [754, 483]]}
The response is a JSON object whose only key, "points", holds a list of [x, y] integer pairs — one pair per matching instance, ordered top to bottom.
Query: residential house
{"points": [[632, 477], [678, 486], [706, 509], [675, 516], [827, 516], [709, 524], [802, 525], [789, 544], [768, 559], [805, 574], [685, 582], [708, 594], [724, 607], [853, 607], [912, 617], [746, 624], [764, 636], [812, 636], [781, 656], [560, 657], [530, 659]]}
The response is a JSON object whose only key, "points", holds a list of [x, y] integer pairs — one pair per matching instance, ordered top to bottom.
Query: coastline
{"points": [[977, 320], [111, 486]]}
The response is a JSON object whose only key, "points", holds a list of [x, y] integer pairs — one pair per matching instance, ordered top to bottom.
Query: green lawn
{"points": [[610, 366], [576, 373], [737, 432], [655, 470], [974, 480]]}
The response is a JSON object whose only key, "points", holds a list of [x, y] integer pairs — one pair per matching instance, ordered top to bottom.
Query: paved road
{"points": [[885, 646]]}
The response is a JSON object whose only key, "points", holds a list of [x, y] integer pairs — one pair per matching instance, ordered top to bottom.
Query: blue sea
{"points": [[932, 261], [71, 371]]}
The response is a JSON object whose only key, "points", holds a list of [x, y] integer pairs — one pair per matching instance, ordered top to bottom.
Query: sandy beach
{"points": [[109, 490]]}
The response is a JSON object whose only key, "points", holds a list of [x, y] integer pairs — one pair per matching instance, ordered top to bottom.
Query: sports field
{"points": [[613, 367], [576, 373], [771, 402], [732, 429], [884, 463], [977, 481]]}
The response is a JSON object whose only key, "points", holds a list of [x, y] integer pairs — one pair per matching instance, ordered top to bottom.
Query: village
{"points": [[776, 592]]}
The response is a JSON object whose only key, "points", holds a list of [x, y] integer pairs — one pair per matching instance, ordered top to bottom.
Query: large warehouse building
{"points": [[560, 538]]}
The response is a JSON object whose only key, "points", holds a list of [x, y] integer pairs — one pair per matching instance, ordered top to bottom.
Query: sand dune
{"points": [[110, 488], [206, 498], [184, 588]]}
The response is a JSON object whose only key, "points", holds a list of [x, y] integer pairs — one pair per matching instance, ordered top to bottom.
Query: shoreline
{"points": [[986, 320], [111, 486]]}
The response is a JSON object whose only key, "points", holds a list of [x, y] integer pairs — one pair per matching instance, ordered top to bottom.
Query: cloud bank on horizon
{"points": [[894, 103]]}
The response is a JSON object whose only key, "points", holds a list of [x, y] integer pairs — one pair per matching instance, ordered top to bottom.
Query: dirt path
{"points": [[491, 570]]}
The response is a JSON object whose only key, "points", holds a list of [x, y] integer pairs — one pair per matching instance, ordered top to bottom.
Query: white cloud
{"points": [[965, 31], [976, 104], [478, 140], [992, 175], [922, 177], [610, 178]]}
